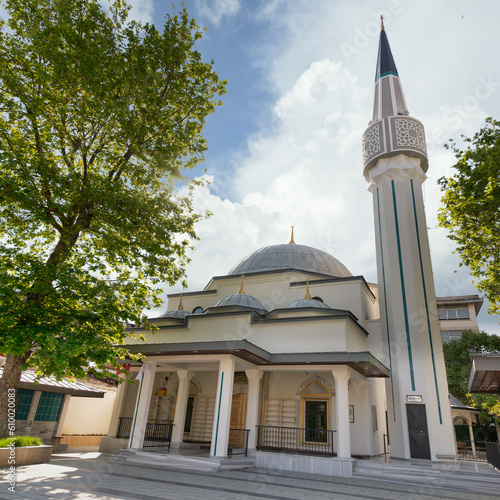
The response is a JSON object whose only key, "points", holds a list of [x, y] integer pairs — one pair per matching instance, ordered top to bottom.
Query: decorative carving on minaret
{"points": [[410, 133], [371, 142]]}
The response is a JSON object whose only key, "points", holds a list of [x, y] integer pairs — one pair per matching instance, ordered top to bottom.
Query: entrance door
{"points": [[238, 420], [316, 421], [417, 430]]}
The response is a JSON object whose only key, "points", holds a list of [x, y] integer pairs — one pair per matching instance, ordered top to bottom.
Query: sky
{"points": [[285, 147]]}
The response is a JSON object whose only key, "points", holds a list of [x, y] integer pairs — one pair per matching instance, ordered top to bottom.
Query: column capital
{"points": [[341, 373], [183, 374], [254, 375]]}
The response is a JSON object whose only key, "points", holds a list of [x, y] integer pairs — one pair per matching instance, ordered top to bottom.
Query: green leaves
{"points": [[98, 119], [471, 208], [457, 360]]}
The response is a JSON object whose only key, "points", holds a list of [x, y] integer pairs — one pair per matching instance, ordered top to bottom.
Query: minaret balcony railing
{"points": [[392, 136]]}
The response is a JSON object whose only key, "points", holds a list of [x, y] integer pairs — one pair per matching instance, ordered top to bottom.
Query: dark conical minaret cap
{"points": [[385, 61]]}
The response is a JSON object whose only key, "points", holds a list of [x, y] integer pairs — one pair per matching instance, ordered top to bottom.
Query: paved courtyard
{"points": [[92, 475]]}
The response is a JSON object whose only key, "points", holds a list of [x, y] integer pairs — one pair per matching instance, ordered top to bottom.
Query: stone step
{"points": [[182, 461], [456, 475]]}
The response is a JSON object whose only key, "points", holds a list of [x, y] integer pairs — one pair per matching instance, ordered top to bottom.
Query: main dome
{"points": [[291, 256]]}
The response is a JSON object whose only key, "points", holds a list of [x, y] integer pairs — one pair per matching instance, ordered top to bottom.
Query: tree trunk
{"points": [[9, 382]]}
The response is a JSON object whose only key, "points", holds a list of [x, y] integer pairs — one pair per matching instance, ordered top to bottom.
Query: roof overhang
{"points": [[363, 362], [484, 373], [30, 381]]}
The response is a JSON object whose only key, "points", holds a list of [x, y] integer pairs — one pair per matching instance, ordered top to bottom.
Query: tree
{"points": [[98, 118], [471, 208], [457, 360]]}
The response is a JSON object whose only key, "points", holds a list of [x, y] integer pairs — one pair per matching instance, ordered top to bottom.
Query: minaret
{"points": [[395, 163]]}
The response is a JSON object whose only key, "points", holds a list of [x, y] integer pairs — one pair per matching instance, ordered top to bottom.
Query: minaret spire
{"points": [[392, 131]]}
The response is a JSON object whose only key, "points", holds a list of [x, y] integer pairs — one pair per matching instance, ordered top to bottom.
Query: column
{"points": [[341, 375], [185, 377], [145, 379], [223, 402], [32, 412], [62, 416], [252, 417], [114, 422], [471, 435]]}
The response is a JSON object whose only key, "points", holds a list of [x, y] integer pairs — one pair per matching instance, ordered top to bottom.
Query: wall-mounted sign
{"points": [[414, 398], [351, 414]]}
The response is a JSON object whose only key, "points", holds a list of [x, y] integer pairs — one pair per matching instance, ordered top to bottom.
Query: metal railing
{"points": [[125, 423], [158, 431], [296, 440], [238, 441], [471, 450], [493, 454]]}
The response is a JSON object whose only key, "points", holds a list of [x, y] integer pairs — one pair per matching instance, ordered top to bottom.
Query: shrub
{"points": [[20, 441]]}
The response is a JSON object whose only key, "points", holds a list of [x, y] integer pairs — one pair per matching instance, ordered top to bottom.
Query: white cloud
{"points": [[216, 10], [303, 167]]}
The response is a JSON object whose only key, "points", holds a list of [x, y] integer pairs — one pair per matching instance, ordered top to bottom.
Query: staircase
{"points": [[186, 462], [474, 477]]}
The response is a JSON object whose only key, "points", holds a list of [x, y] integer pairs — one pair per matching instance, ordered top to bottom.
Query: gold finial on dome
{"points": [[381, 23], [292, 242], [241, 291], [307, 295], [180, 307]]}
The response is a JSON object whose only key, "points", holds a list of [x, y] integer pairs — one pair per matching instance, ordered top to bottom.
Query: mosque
{"points": [[291, 357]]}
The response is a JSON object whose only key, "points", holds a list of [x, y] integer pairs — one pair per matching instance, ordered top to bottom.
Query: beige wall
{"points": [[89, 415]]}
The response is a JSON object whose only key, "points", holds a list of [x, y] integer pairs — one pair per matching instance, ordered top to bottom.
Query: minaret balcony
{"points": [[392, 136]]}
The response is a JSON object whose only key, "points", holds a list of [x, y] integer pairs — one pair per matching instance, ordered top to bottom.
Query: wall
{"points": [[89, 415]]}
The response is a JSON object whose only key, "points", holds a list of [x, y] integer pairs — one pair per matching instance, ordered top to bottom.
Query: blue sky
{"points": [[285, 148]]}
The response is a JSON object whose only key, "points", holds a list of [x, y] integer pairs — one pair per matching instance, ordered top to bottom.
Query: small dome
{"points": [[291, 256], [240, 300], [316, 304], [177, 314]]}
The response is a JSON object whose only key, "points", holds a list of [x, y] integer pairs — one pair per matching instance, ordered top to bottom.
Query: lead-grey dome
{"points": [[291, 256], [240, 300], [314, 303], [177, 314]]}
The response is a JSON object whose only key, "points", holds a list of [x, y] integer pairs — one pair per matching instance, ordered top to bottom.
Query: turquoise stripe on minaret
{"points": [[403, 291], [426, 303]]}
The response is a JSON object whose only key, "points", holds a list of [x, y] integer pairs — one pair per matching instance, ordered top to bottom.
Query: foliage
{"points": [[98, 118], [471, 208], [457, 360], [20, 441]]}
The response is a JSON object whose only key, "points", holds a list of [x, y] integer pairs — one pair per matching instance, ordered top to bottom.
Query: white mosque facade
{"points": [[290, 353]]}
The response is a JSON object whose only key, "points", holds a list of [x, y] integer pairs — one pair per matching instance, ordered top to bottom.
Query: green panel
{"points": [[24, 398], [49, 407]]}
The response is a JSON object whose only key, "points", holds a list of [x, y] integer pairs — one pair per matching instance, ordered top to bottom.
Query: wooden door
{"points": [[238, 419]]}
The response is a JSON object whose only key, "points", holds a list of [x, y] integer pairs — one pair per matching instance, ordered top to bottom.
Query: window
{"points": [[198, 310], [450, 313], [447, 335], [24, 398], [49, 407], [189, 414], [316, 418]]}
